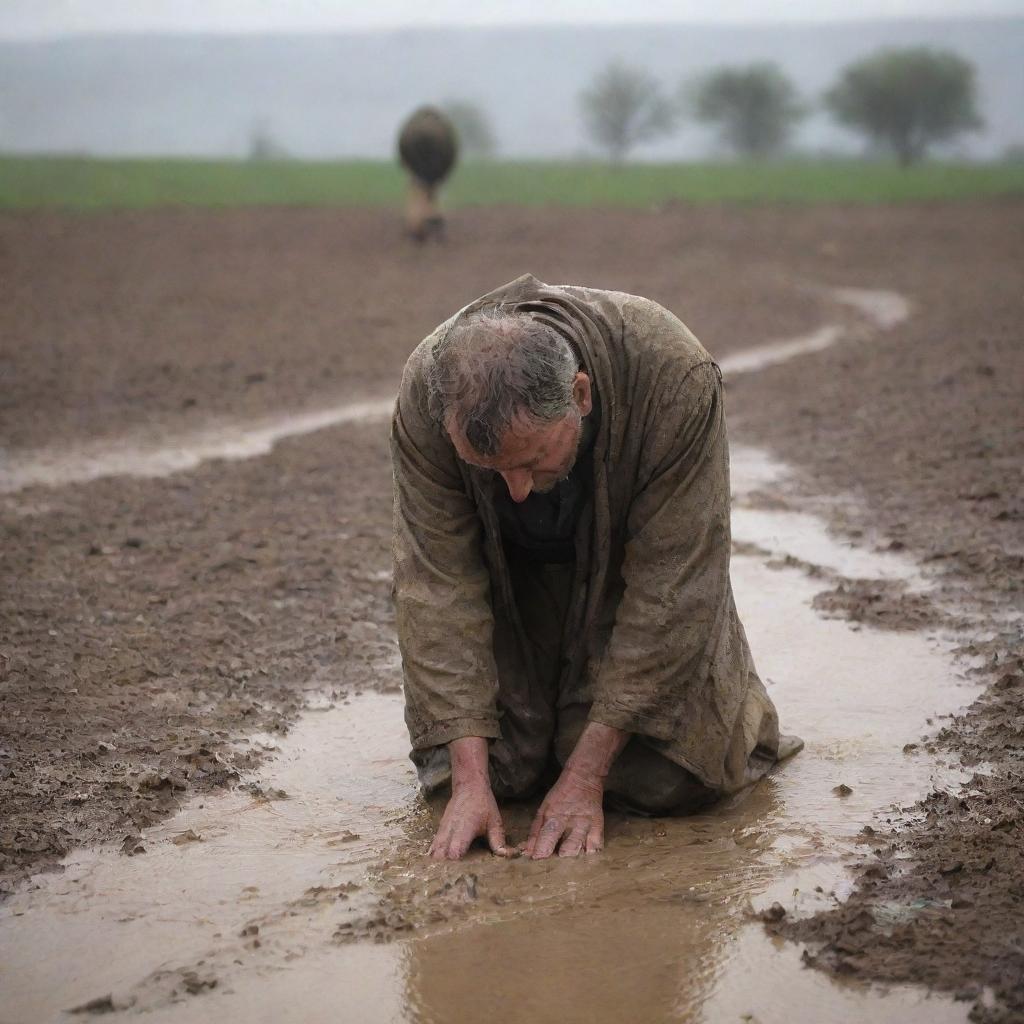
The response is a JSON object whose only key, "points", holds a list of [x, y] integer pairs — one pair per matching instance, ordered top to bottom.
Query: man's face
{"points": [[533, 458]]}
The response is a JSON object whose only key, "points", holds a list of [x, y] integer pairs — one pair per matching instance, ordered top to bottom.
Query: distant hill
{"points": [[343, 95]]}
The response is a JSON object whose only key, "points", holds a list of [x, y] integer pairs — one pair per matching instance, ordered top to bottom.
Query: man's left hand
{"points": [[571, 818]]}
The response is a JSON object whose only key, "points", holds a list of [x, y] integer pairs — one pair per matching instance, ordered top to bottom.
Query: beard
{"points": [[549, 481]]}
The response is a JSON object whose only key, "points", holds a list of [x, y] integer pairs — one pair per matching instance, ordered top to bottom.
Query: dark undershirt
{"points": [[542, 528]]}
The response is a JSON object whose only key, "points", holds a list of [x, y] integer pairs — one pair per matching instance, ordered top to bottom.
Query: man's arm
{"points": [[441, 586], [444, 618], [669, 620], [675, 637]]}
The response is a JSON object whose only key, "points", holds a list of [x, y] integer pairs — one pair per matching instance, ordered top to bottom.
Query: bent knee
{"points": [[517, 779], [644, 782]]}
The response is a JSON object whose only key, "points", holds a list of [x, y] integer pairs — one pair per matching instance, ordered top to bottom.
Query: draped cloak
{"points": [[652, 639]]}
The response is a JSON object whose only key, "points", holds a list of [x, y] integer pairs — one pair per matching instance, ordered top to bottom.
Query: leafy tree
{"points": [[906, 100], [624, 107], [755, 107], [472, 127], [1013, 153]]}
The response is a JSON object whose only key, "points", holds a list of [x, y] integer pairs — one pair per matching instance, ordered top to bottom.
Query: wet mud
{"points": [[148, 627], [665, 916]]}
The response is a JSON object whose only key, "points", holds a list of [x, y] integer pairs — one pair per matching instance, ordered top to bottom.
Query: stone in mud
{"points": [[131, 845], [101, 1004]]}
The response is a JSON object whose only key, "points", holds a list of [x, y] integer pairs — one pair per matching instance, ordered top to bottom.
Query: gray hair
{"points": [[496, 366]]}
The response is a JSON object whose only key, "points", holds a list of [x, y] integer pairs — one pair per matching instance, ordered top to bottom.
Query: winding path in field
{"points": [[135, 456]]}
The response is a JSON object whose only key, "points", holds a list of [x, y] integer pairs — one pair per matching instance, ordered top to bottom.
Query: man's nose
{"points": [[519, 483]]}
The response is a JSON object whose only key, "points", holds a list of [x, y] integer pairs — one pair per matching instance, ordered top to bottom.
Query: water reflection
{"points": [[636, 934]]}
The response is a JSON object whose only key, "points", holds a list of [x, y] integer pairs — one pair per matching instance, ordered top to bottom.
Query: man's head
{"points": [[509, 392]]}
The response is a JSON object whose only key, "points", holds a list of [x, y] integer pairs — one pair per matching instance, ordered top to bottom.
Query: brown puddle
{"points": [[322, 907]]}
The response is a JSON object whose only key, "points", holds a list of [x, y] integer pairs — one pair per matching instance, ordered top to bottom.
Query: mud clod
{"points": [[132, 845], [460, 890], [776, 912], [381, 926], [194, 983], [102, 1004]]}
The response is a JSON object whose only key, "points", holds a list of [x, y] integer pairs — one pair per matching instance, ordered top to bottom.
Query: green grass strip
{"points": [[87, 184]]}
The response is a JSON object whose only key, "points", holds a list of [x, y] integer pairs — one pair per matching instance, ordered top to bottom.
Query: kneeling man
{"points": [[561, 569]]}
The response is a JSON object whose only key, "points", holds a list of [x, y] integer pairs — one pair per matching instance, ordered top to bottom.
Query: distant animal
{"points": [[427, 148]]}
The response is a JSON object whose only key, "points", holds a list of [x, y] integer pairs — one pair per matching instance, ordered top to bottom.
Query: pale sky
{"points": [[23, 19]]}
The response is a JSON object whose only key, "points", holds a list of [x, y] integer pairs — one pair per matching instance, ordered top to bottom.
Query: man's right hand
{"points": [[472, 810]]}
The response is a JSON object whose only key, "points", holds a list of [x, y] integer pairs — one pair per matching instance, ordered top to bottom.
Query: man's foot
{"points": [[789, 745]]}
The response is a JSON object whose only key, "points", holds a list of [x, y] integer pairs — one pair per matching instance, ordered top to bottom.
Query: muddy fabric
{"points": [[652, 642], [641, 781]]}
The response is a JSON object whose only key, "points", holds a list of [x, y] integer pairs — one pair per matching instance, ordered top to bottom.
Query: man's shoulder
{"points": [[642, 318], [650, 332], [422, 355]]}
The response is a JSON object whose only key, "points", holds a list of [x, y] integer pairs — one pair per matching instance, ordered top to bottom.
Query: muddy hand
{"points": [[472, 811], [570, 820]]}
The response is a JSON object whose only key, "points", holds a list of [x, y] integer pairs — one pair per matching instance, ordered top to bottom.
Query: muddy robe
{"points": [[652, 638]]}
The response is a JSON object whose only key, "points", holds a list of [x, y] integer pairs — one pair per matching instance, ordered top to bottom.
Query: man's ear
{"points": [[581, 394]]}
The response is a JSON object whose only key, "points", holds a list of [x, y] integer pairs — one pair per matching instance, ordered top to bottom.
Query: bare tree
{"points": [[906, 100], [624, 107], [755, 107], [472, 127]]}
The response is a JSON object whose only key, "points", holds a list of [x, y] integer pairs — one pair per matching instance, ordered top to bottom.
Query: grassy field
{"points": [[86, 184]]}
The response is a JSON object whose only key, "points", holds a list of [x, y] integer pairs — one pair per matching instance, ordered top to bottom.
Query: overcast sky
{"points": [[36, 18]]}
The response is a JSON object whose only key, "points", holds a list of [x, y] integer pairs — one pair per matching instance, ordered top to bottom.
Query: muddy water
{"points": [[882, 309], [758, 358], [159, 455], [321, 907]]}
